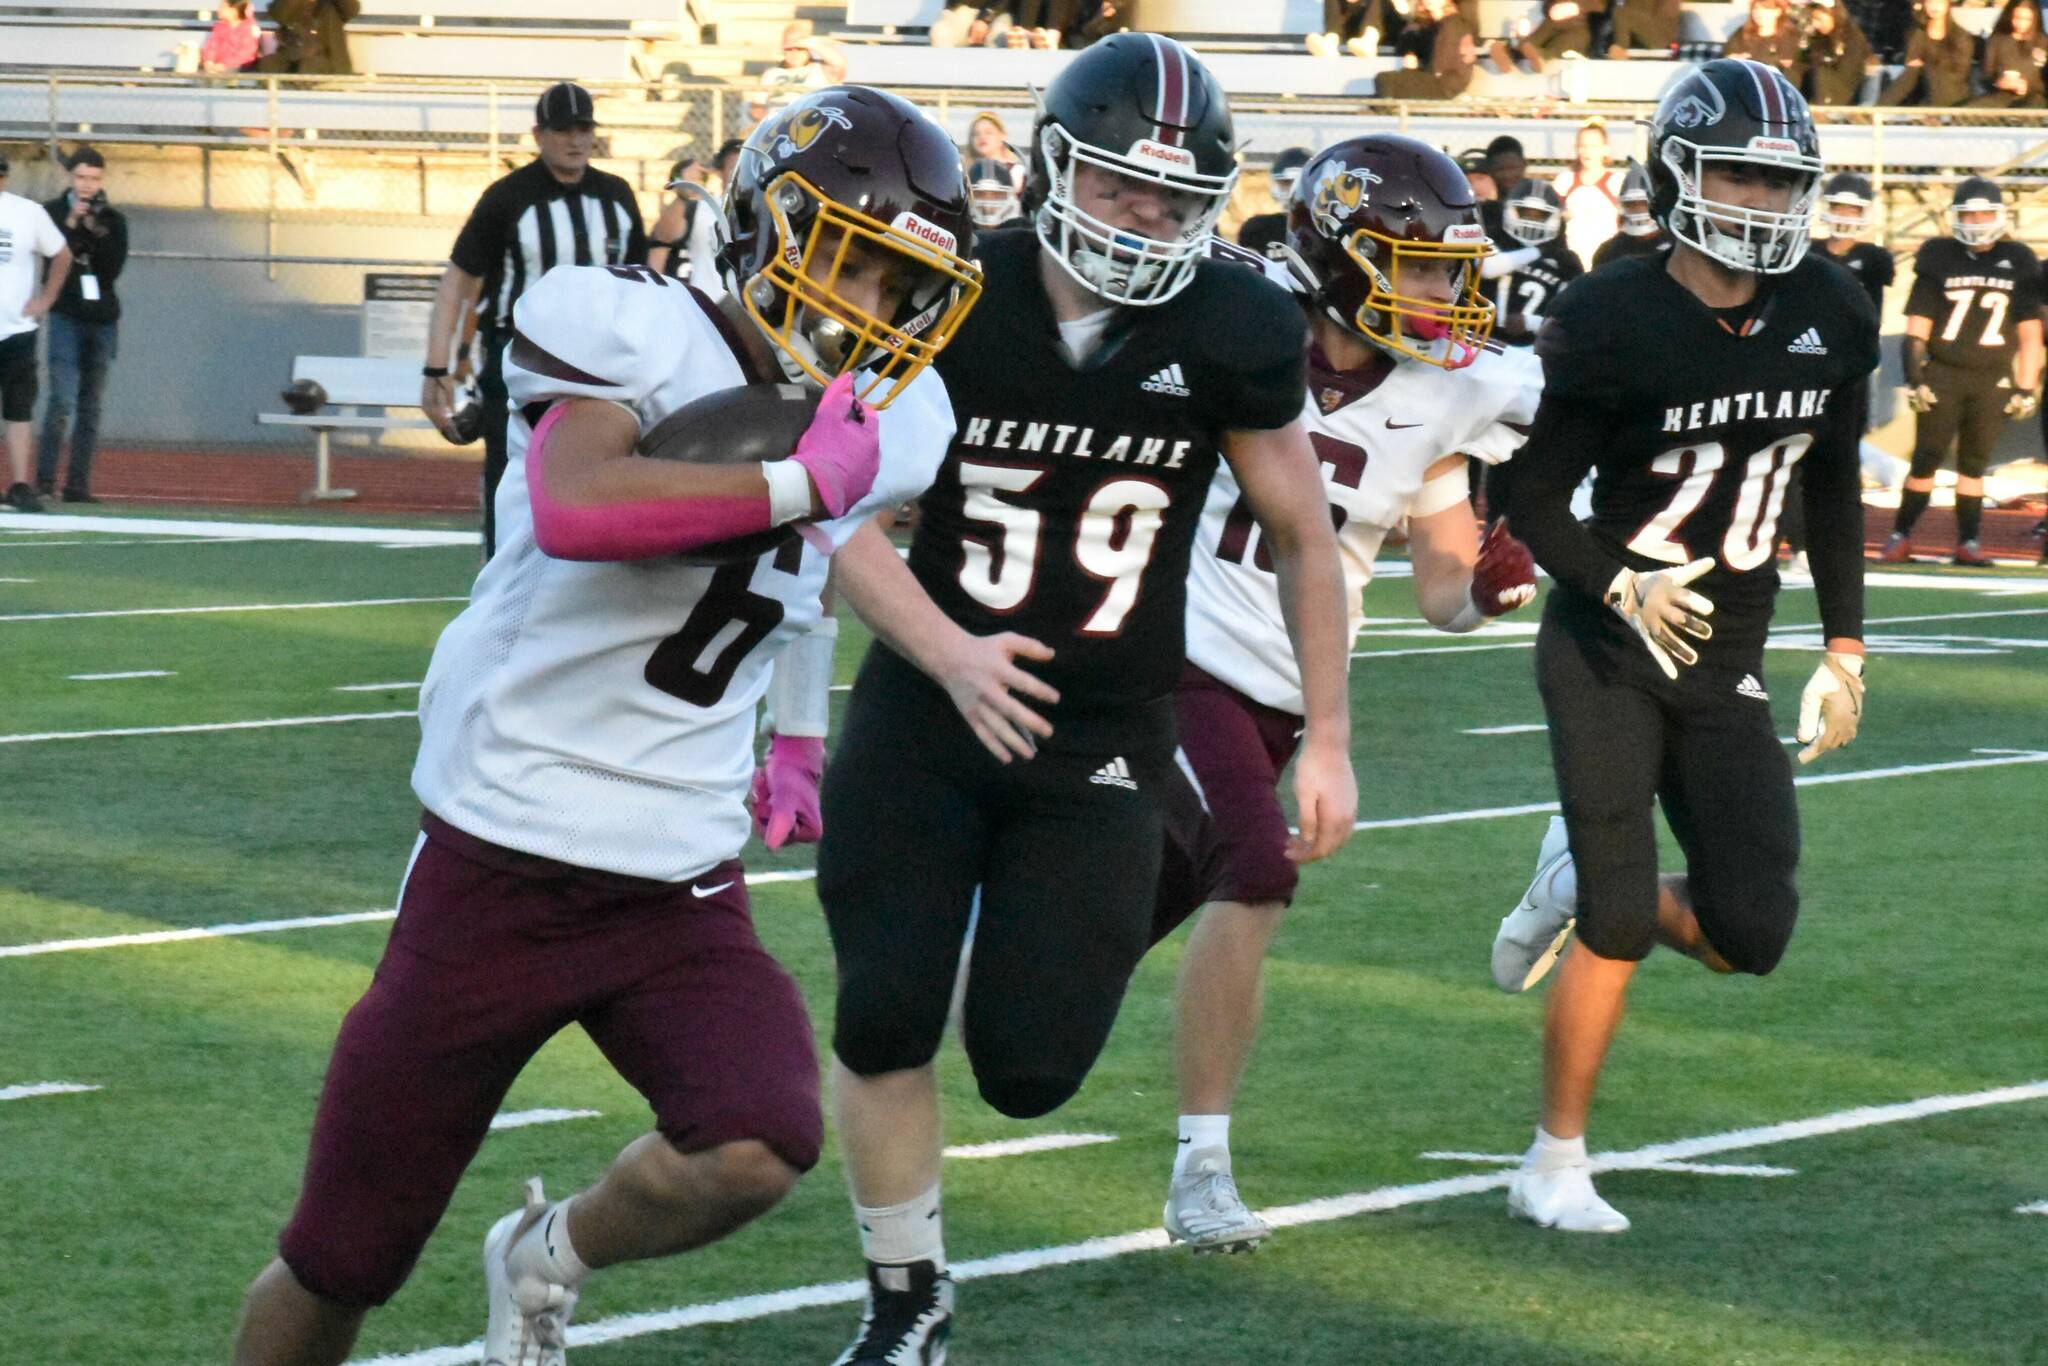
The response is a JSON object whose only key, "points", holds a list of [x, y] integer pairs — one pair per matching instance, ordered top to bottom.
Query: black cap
{"points": [[564, 104]]}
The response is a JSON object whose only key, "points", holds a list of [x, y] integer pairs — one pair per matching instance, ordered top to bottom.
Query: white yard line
{"points": [[255, 531], [166, 540], [17, 580], [233, 607], [1525, 633], [132, 673], [376, 687], [1530, 728], [39, 737], [44, 1088], [521, 1119], [1017, 1147], [1690, 1168], [2038, 1207], [748, 1307]]}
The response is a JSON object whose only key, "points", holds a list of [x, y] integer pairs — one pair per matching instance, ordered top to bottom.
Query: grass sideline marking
{"points": [[253, 531], [232, 607], [132, 673], [376, 687], [1529, 728], [39, 737], [2001, 759], [43, 1088], [523, 1119], [1017, 1147], [1693, 1168], [2038, 1207], [748, 1307]]}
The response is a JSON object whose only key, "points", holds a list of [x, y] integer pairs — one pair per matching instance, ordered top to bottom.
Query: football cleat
{"points": [[1897, 550], [1971, 554], [1533, 934], [1563, 1198], [1204, 1210], [529, 1316], [908, 1318]]}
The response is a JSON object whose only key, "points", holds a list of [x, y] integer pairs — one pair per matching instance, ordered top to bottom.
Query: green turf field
{"points": [[138, 1212]]}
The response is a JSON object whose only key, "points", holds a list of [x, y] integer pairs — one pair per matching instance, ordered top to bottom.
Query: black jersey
{"points": [[1263, 233], [1624, 246], [1871, 265], [1533, 290], [1976, 300], [1692, 421], [1067, 505]]}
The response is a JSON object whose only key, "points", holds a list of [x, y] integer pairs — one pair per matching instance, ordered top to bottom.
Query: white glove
{"points": [[1921, 398], [2022, 405], [1663, 611], [1831, 705]]}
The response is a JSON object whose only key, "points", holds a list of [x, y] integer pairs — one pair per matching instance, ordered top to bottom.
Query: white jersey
{"points": [[1375, 444], [602, 714]]}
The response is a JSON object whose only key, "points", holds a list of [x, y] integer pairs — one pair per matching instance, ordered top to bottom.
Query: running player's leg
{"points": [[1934, 433]]}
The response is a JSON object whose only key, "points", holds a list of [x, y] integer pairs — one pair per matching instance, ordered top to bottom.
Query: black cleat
{"points": [[23, 498], [908, 1318]]}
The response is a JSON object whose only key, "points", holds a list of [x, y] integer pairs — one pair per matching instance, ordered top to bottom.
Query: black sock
{"points": [[1911, 504], [1969, 516]]}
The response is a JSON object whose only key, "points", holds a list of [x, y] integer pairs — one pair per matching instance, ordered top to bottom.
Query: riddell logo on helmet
{"points": [[1782, 146], [1144, 149], [926, 232], [1461, 233]]}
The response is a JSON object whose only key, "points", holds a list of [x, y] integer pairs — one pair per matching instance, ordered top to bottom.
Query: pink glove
{"points": [[841, 450], [786, 791]]}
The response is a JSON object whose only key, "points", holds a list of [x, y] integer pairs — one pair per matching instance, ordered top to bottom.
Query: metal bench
{"points": [[352, 383]]}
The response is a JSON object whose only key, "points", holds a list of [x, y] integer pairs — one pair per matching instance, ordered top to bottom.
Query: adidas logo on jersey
{"points": [[1808, 344], [1167, 381], [1750, 687], [1115, 773]]}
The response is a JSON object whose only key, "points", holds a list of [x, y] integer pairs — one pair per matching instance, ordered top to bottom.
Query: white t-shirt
{"points": [[1592, 209], [28, 237], [1375, 447], [541, 728]]}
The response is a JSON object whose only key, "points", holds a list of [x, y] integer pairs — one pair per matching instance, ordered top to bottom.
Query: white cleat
{"points": [[1533, 934], [1563, 1198], [1204, 1210], [529, 1316]]}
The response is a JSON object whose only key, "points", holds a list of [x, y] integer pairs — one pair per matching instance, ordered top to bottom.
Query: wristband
{"points": [[434, 371], [789, 490]]}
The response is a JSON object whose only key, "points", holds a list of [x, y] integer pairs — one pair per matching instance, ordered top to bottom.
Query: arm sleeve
{"points": [[482, 239], [1883, 270], [1572, 426], [1832, 487]]}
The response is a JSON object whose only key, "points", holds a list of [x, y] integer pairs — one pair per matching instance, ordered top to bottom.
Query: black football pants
{"points": [[1968, 414], [1622, 736], [1064, 849]]}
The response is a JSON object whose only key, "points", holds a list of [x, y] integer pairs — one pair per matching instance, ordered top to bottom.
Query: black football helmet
{"points": [[1140, 106], [1735, 112], [846, 165], [1285, 173], [993, 187], [1977, 195], [1635, 201], [1845, 204], [1365, 208], [1532, 213]]}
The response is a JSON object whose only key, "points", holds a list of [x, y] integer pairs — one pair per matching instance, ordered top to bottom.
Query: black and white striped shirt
{"points": [[527, 223]]}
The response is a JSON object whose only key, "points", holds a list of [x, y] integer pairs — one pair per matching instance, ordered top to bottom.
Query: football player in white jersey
{"points": [[1384, 242], [587, 740]]}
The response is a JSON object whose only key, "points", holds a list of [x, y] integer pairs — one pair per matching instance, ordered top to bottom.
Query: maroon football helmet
{"points": [[843, 166], [1368, 216]]}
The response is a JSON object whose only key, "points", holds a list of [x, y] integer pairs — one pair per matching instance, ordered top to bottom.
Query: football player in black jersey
{"points": [[1845, 212], [1264, 233], [1639, 235], [1526, 280], [1972, 359], [1690, 384], [1010, 741]]}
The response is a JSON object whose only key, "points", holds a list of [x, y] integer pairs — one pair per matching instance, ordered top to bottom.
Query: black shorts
{"points": [[18, 377], [1968, 415], [1621, 736], [1064, 849]]}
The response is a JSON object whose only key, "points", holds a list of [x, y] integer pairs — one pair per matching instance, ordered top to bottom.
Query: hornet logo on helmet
{"points": [[1701, 104], [804, 125], [1340, 195]]}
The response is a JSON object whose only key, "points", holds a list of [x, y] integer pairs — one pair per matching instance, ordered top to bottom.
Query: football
{"points": [[747, 423]]}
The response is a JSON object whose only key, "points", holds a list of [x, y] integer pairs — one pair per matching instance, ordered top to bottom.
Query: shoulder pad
{"points": [[606, 332]]}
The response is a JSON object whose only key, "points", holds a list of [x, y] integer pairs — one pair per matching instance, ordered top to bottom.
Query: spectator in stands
{"points": [[1107, 18], [1884, 23], [1043, 24], [973, 25], [1359, 26], [1642, 26], [1566, 31], [312, 37], [1768, 37], [232, 44], [1438, 51], [1837, 56], [1938, 60], [2012, 60], [808, 61], [988, 138], [1506, 162], [1590, 190], [555, 210], [1264, 233], [28, 239], [683, 243], [83, 322]]}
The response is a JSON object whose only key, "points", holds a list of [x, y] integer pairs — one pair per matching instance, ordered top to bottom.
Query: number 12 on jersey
{"points": [[1752, 534], [1113, 541]]}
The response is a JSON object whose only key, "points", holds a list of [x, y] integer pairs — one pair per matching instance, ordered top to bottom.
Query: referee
{"points": [[557, 210]]}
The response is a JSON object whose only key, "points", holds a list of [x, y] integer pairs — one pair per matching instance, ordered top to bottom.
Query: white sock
{"points": [[1198, 1132], [1550, 1153], [896, 1235], [545, 1250]]}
